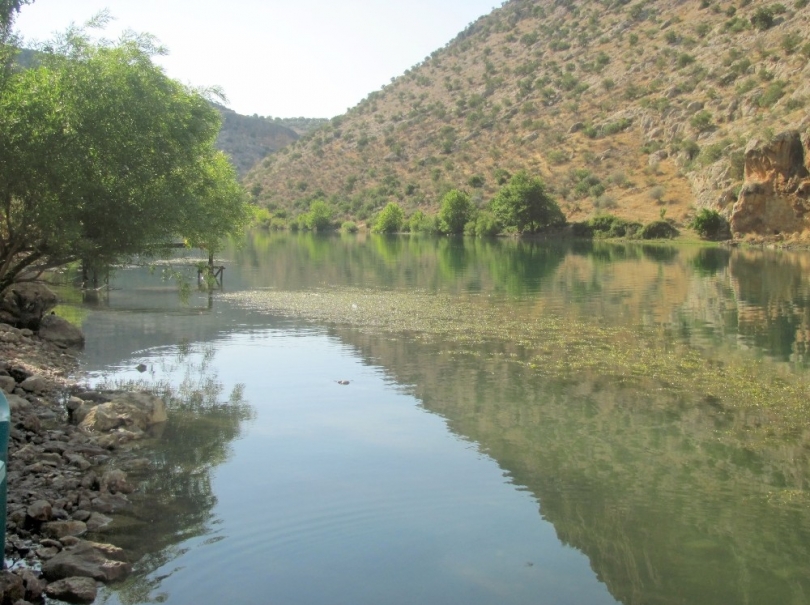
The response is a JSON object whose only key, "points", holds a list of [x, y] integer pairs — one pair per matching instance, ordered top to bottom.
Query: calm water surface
{"points": [[477, 470]]}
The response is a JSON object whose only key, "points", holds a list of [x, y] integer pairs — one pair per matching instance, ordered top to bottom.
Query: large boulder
{"points": [[775, 197], [25, 304], [60, 332], [132, 412], [60, 529], [102, 562], [12, 588], [73, 590]]}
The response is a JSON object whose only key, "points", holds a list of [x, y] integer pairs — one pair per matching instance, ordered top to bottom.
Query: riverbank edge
{"points": [[63, 482]]}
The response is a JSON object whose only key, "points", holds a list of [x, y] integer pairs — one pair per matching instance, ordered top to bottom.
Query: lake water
{"points": [[525, 422]]}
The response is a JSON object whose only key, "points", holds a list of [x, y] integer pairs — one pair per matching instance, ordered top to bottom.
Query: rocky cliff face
{"points": [[775, 196]]}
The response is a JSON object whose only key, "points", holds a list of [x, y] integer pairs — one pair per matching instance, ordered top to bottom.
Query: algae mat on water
{"points": [[769, 400]]}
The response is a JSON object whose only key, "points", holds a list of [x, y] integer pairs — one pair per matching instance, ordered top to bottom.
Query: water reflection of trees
{"points": [[294, 262], [758, 295], [636, 478], [640, 480], [175, 500]]}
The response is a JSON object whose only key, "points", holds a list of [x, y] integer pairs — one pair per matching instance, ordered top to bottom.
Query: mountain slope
{"points": [[636, 108], [248, 139]]}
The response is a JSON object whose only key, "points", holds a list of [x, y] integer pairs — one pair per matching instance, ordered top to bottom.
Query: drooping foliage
{"points": [[103, 156]]}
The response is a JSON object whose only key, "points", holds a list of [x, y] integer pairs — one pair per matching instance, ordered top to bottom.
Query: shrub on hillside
{"points": [[763, 18], [525, 205], [456, 211], [261, 217], [319, 217], [390, 219], [419, 222], [710, 224], [486, 225], [608, 225], [658, 230]]}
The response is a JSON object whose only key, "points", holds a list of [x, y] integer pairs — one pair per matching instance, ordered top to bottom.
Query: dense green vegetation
{"points": [[102, 156], [524, 205], [455, 212], [710, 224]]}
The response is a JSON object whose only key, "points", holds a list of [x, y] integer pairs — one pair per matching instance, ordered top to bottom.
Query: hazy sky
{"points": [[286, 58]]}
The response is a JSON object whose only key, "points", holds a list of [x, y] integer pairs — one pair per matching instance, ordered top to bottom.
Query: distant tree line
{"points": [[522, 206]]}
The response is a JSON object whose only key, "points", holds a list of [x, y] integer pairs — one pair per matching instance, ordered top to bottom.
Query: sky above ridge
{"points": [[290, 58]]}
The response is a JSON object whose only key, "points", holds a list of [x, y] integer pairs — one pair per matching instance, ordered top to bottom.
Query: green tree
{"points": [[8, 12], [763, 18], [102, 156], [525, 205], [456, 211], [319, 217], [390, 219], [709, 223]]}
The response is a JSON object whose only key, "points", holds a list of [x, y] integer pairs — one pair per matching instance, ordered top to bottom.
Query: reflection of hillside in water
{"points": [[693, 289], [773, 293], [706, 295], [637, 481], [661, 489]]}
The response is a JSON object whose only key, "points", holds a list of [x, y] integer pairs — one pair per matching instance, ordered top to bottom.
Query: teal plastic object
{"points": [[5, 425]]}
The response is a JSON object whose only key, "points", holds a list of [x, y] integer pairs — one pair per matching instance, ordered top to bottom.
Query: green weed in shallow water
{"points": [[562, 349]]}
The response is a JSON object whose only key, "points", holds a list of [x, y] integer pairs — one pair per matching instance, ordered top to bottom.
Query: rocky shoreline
{"points": [[66, 473]]}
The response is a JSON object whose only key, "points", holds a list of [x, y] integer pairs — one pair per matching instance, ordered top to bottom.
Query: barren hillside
{"points": [[635, 108]]}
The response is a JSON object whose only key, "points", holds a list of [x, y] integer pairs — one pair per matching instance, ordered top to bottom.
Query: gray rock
{"points": [[694, 107], [24, 305], [60, 332], [10, 337], [7, 383], [36, 384], [95, 397], [17, 404], [133, 412], [31, 423], [27, 453], [50, 459], [78, 461], [137, 464], [115, 481], [110, 503], [40, 510], [81, 515], [97, 521], [60, 529], [69, 541], [54, 543], [47, 552], [102, 562], [34, 585], [11, 587], [73, 590]]}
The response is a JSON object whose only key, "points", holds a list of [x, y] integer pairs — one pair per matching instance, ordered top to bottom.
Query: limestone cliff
{"points": [[775, 196]]}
